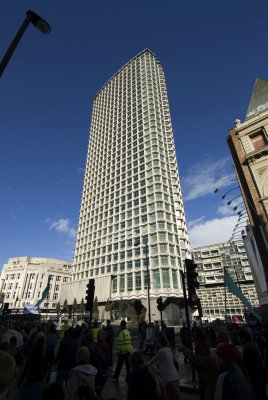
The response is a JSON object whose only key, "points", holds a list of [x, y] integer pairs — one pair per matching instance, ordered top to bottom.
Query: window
{"points": [[258, 140], [165, 278], [156, 279], [175, 279], [138, 281], [129, 282], [122, 283], [114, 286]]}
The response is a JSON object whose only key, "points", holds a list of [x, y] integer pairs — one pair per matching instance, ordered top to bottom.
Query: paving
{"points": [[118, 390]]}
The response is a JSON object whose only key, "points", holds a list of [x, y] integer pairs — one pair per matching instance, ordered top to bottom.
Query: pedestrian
{"points": [[95, 331], [142, 333], [156, 335], [185, 338], [264, 338], [149, 339], [110, 340], [124, 348], [202, 348], [66, 356], [254, 365], [168, 373], [7, 374], [82, 375], [32, 377], [142, 383], [231, 383], [54, 391]]}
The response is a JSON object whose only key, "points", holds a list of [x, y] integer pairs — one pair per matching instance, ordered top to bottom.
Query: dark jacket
{"points": [[142, 385], [232, 385]]}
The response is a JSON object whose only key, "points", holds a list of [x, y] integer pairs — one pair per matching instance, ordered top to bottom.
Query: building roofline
{"points": [[124, 66]]}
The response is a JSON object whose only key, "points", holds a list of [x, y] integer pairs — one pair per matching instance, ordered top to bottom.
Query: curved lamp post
{"points": [[37, 21], [224, 183], [225, 194]]}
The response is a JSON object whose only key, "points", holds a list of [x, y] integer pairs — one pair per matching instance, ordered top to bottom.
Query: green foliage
{"points": [[65, 305], [82, 306], [75, 307], [57, 308]]}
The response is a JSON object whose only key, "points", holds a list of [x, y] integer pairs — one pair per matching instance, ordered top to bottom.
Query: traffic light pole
{"points": [[186, 303]]}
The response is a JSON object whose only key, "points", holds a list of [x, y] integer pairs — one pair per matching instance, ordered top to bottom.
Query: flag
{"points": [[232, 286], [44, 294]]}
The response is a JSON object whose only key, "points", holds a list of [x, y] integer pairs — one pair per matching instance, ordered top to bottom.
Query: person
{"points": [[95, 331], [142, 333], [156, 335], [185, 338], [264, 338], [149, 339], [110, 340], [51, 343], [124, 348], [201, 348], [66, 356], [97, 360], [207, 365], [254, 365], [34, 372], [7, 373], [168, 373], [82, 375], [142, 383], [231, 383], [54, 391]]}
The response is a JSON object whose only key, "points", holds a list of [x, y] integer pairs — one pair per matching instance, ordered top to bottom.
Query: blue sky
{"points": [[212, 51]]}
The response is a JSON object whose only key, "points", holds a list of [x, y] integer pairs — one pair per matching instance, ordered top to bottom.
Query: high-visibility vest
{"points": [[95, 332], [124, 342]]}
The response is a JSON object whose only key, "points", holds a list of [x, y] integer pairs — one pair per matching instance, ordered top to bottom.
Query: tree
{"points": [[65, 306], [75, 306], [82, 306], [108, 306], [58, 308], [95, 308]]}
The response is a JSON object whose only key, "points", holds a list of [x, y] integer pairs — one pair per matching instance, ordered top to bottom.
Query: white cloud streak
{"points": [[205, 176], [63, 226], [218, 230]]}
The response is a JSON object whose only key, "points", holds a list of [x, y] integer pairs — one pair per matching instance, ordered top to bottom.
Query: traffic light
{"points": [[192, 282], [90, 295], [159, 303], [138, 306], [5, 309]]}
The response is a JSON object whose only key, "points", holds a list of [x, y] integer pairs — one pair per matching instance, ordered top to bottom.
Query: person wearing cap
{"points": [[124, 348], [231, 383]]}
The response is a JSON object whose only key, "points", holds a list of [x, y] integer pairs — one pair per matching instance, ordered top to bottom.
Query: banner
{"points": [[233, 288], [44, 294]]}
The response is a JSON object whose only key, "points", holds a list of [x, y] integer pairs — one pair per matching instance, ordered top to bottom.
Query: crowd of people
{"points": [[228, 364]]}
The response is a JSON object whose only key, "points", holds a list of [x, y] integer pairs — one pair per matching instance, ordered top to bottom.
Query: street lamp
{"points": [[37, 21], [224, 183], [225, 194], [230, 201], [236, 207], [137, 243]]}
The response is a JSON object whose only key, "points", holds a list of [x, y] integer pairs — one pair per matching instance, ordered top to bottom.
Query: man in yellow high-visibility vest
{"points": [[124, 348]]}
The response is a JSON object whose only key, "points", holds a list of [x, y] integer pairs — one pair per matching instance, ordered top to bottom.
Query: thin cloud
{"points": [[204, 177], [63, 226], [218, 230]]}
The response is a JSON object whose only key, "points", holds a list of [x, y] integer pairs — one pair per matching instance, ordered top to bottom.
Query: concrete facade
{"points": [[248, 143], [132, 213], [211, 261], [23, 280]]}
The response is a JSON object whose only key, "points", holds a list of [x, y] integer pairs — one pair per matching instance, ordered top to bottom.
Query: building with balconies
{"points": [[211, 261]]}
